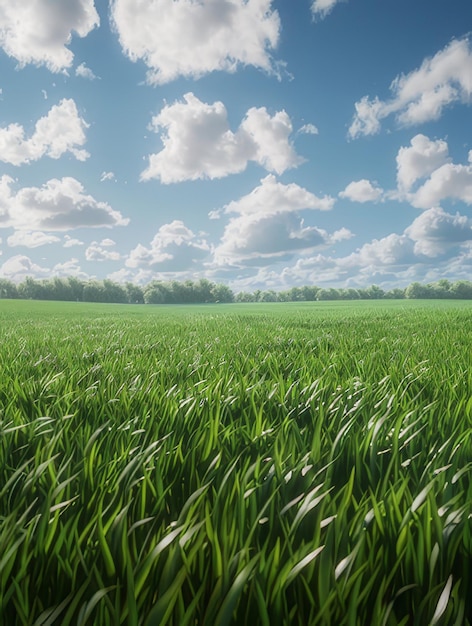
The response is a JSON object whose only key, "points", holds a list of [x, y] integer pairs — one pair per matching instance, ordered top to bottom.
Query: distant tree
{"points": [[76, 288], [8, 289], [31, 289], [441, 289], [462, 289], [203, 290], [417, 291], [93, 292], [374, 292], [134, 293], [154, 293], [222, 293], [328, 294], [352, 294], [395, 294], [245, 296], [268, 296]]}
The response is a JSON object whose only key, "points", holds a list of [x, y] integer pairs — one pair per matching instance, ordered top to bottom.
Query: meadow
{"points": [[279, 464]]}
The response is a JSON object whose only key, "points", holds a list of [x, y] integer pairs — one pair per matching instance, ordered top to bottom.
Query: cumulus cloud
{"points": [[322, 8], [38, 32], [182, 38], [85, 72], [423, 94], [61, 130], [198, 142], [419, 159], [426, 176], [448, 181], [362, 191], [272, 197], [60, 204], [268, 225], [434, 231], [431, 234], [264, 237], [31, 239], [70, 242], [174, 248], [392, 250], [98, 251], [18, 267], [69, 268]]}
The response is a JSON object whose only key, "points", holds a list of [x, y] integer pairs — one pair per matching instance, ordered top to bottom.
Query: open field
{"points": [[236, 464]]}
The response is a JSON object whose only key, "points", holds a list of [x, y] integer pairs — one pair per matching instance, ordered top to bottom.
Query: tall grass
{"points": [[235, 465]]}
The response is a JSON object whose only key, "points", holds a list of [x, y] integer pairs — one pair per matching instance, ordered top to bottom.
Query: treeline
{"points": [[203, 290], [156, 292]]}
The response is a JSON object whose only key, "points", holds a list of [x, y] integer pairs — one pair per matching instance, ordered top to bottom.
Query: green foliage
{"points": [[204, 291], [305, 464]]}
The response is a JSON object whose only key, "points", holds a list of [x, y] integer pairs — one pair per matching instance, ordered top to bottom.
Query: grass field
{"points": [[298, 464]]}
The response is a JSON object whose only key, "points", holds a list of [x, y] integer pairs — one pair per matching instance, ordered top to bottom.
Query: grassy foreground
{"points": [[236, 464]]}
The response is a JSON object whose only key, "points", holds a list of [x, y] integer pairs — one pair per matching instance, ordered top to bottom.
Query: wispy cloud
{"points": [[423, 94]]}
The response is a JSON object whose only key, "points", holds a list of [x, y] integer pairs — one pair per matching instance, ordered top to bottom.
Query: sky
{"points": [[263, 144]]}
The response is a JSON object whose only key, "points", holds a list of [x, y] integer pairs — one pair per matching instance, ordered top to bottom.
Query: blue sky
{"points": [[259, 143]]}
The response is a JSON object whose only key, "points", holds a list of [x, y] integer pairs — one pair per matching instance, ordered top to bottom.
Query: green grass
{"points": [[236, 464]]}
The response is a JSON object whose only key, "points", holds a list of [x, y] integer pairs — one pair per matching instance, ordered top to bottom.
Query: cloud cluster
{"points": [[38, 32], [184, 38], [421, 95], [62, 130], [198, 142], [426, 176], [59, 205], [268, 226], [435, 231], [31, 239], [174, 248], [100, 251], [19, 267]]}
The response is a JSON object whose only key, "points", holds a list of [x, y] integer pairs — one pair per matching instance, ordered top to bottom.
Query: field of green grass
{"points": [[299, 464]]}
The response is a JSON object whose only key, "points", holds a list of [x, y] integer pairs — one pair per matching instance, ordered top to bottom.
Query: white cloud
{"points": [[322, 8], [38, 32], [182, 38], [85, 72], [423, 94], [308, 129], [61, 130], [198, 142], [419, 159], [107, 176], [426, 176], [448, 181], [362, 191], [272, 197], [56, 206], [268, 226], [434, 231], [263, 238], [30, 239], [69, 242], [107, 243], [174, 248], [390, 250], [98, 251], [18, 267], [69, 268]]}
